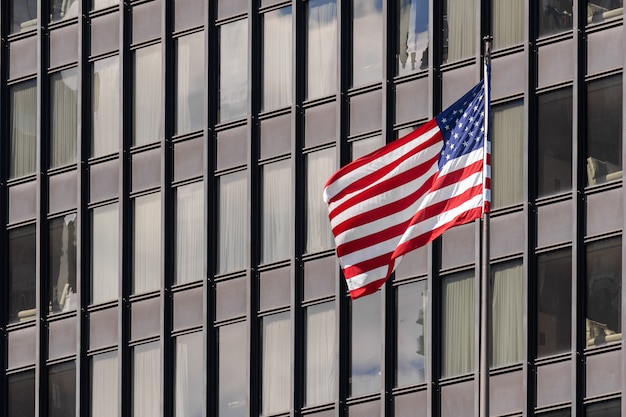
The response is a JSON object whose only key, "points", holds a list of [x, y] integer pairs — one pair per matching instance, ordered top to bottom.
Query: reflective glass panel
{"points": [[101, 4], [63, 9], [601, 10], [23, 15], [554, 16], [507, 22], [412, 27], [459, 29], [367, 41], [321, 48], [277, 60], [233, 70], [190, 83], [147, 95], [105, 102], [63, 117], [23, 126], [507, 144], [362, 147], [320, 166], [277, 207], [233, 215], [190, 233], [147, 243], [104, 253], [62, 264], [22, 274], [507, 311], [411, 322], [603, 322], [457, 332], [321, 344], [365, 345], [276, 362], [233, 370], [147, 380], [104, 385], [62, 390], [189, 391], [21, 394], [610, 408]]}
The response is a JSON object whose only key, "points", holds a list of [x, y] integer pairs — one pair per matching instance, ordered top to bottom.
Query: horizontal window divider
{"points": [[272, 7], [103, 11], [230, 19], [605, 24], [188, 31], [563, 36], [144, 44], [509, 50], [104, 55], [467, 62], [54, 70], [604, 74], [418, 75], [554, 87], [356, 91], [507, 99], [307, 104], [274, 113], [410, 124], [230, 125], [364, 135], [187, 136], [147, 147], [311, 149], [105, 158], [272, 159], [63, 169], [226, 171], [22, 180], [187, 181], [597, 189], [145, 192], [544, 201], [102, 203], [503, 211], [57, 214], [13, 226], [602, 236], [552, 248], [318, 255], [507, 258], [274, 265], [454, 270], [230, 276], [409, 280], [187, 286], [144, 296], [318, 300], [94, 308], [271, 311], [54, 317], [226, 322], [187, 330], [143, 341], [107, 349], [602, 349], [63, 359], [549, 360], [19, 369], [506, 369], [457, 379], [410, 389], [603, 397], [363, 399], [560, 406], [317, 408]]}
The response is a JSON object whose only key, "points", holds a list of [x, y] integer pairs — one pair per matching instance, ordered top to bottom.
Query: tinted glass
{"points": [[63, 10], [601, 10], [23, 15], [554, 16], [507, 22], [412, 26], [459, 29], [367, 41], [321, 48], [277, 51], [233, 70], [190, 83], [147, 95], [105, 102], [63, 117], [23, 126], [507, 144], [320, 166], [277, 208], [233, 215], [189, 233], [147, 243], [104, 253], [62, 264], [22, 274], [507, 314], [411, 322], [457, 324], [321, 344], [365, 345], [276, 362], [233, 370], [147, 380], [104, 385], [62, 390], [189, 391], [21, 394]]}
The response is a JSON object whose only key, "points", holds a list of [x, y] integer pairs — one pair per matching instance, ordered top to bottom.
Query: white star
{"points": [[465, 115], [444, 120], [447, 127], [456, 136], [465, 143], [448, 157]]}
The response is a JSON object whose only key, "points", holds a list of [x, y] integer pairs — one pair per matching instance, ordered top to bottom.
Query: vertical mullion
{"points": [[4, 162]]}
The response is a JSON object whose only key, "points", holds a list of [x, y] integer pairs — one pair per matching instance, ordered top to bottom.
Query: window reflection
{"points": [[101, 4], [63, 9], [600, 10], [23, 15], [554, 16], [507, 22], [459, 30], [412, 36], [367, 41], [321, 48], [277, 65], [233, 70], [190, 83], [147, 95], [105, 101], [63, 117], [604, 130], [555, 142], [507, 144], [23, 147], [362, 147], [320, 166], [277, 207], [233, 220], [189, 233], [147, 243], [104, 253], [62, 264], [22, 274], [604, 292], [554, 303], [507, 309], [411, 322], [457, 324], [276, 360], [321, 366], [233, 367], [365, 376], [147, 380], [104, 385], [62, 390], [21, 394], [189, 394], [611, 408]]}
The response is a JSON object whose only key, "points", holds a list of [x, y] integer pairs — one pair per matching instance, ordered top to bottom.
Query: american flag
{"points": [[408, 193]]}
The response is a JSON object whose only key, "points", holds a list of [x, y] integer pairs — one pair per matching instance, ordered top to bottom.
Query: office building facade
{"points": [[164, 246]]}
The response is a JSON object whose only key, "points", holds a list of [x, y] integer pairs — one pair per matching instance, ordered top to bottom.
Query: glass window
{"points": [[101, 4], [63, 9], [600, 10], [23, 15], [554, 16], [459, 21], [507, 22], [412, 27], [367, 41], [321, 48], [277, 51], [233, 70], [190, 83], [147, 95], [105, 102], [63, 117], [23, 121], [604, 130], [555, 142], [507, 144], [362, 147], [320, 166], [233, 220], [277, 225], [190, 233], [147, 243], [105, 253], [62, 264], [22, 274], [604, 292], [554, 303], [507, 314], [411, 322], [457, 330], [365, 345], [276, 360], [321, 364], [233, 370], [147, 380], [104, 385], [62, 390], [21, 394], [189, 394], [610, 408], [558, 413]]}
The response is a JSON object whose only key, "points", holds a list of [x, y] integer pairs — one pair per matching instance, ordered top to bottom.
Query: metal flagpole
{"points": [[483, 405]]}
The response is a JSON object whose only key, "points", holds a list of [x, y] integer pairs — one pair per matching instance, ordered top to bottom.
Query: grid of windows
{"points": [[164, 247]]}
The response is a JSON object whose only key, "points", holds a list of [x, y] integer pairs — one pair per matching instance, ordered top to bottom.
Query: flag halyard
{"points": [[408, 193]]}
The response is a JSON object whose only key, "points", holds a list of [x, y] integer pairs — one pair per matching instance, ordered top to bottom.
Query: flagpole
{"points": [[483, 405]]}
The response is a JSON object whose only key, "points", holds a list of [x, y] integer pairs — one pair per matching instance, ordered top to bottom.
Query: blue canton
{"points": [[462, 125]]}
